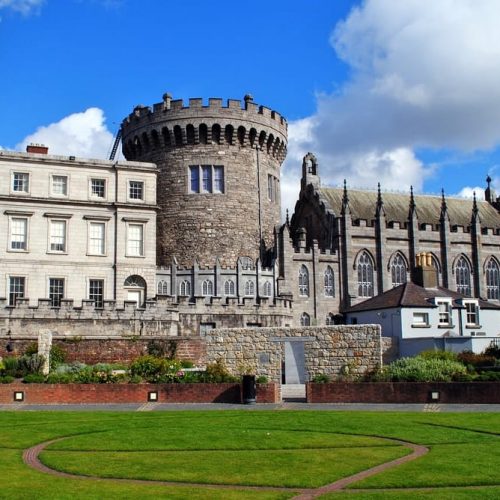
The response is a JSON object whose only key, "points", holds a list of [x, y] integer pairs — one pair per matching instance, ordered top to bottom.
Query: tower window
{"points": [[211, 177], [462, 276], [493, 280]]}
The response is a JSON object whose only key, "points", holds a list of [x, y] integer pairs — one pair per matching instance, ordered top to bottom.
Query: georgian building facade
{"points": [[77, 230]]}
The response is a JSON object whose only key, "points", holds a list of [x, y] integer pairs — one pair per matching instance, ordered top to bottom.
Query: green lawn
{"points": [[283, 448]]}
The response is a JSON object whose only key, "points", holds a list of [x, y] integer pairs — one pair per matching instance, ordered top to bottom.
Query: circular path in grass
{"points": [[31, 459]]}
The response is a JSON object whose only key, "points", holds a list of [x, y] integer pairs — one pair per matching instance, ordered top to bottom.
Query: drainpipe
{"points": [[115, 249]]}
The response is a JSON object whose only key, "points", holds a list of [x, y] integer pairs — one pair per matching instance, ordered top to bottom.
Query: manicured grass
{"points": [[282, 448]]}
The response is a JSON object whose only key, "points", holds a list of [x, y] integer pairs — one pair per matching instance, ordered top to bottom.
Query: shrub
{"points": [[31, 349], [493, 350], [445, 355], [57, 356], [476, 360], [185, 363], [31, 364], [10, 366], [154, 369], [419, 369], [218, 372], [489, 376], [34, 378], [60, 378], [321, 378], [6, 379], [262, 379]]}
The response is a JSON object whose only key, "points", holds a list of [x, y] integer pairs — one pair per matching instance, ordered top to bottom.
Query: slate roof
{"points": [[396, 205], [411, 295]]}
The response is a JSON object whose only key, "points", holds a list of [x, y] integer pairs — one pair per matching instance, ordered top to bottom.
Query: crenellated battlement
{"points": [[170, 124]]}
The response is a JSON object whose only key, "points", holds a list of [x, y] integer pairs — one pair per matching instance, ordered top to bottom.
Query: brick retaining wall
{"points": [[404, 392], [133, 393]]}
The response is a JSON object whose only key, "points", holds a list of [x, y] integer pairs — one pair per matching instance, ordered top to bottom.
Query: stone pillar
{"points": [[44, 345]]}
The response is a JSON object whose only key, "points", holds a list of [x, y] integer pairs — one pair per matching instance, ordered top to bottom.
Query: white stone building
{"points": [[76, 229]]}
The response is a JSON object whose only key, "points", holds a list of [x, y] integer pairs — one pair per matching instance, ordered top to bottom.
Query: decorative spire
{"points": [[488, 181], [345, 200], [380, 203], [413, 206], [444, 208], [475, 209], [287, 220]]}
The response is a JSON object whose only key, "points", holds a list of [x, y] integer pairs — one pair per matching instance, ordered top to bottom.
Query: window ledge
{"points": [[448, 325], [421, 326], [471, 326]]}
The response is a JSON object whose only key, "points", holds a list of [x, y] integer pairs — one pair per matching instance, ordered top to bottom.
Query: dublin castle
{"points": [[184, 235]]}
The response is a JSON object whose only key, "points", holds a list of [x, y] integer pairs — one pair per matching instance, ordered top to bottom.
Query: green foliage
{"points": [[162, 348], [31, 349], [493, 350], [445, 355], [57, 356], [476, 360], [185, 363], [31, 364], [10, 366], [153, 369], [420, 369], [218, 372], [34, 378], [60, 378], [321, 378], [6, 379], [262, 379]]}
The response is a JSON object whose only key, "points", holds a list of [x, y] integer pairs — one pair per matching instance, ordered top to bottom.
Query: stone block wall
{"points": [[332, 350]]}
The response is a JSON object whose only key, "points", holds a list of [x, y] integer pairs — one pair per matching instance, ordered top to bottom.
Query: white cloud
{"points": [[25, 7], [423, 74], [79, 134], [468, 192]]}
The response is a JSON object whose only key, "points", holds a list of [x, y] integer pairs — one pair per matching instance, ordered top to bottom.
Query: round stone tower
{"points": [[218, 184]]}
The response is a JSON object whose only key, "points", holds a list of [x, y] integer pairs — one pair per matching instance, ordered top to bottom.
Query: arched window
{"points": [[203, 133], [215, 133], [190, 134], [228, 134], [178, 135], [241, 135], [246, 263], [398, 270], [365, 275], [462, 277], [493, 280], [135, 281], [303, 281], [329, 283], [162, 288], [185, 288], [207, 288], [229, 288], [250, 288], [267, 289], [305, 319], [330, 320]]}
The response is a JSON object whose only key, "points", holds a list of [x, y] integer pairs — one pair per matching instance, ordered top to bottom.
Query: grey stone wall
{"points": [[204, 226], [335, 350]]}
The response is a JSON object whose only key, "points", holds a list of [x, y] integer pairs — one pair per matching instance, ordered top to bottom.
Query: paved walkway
{"points": [[256, 407]]}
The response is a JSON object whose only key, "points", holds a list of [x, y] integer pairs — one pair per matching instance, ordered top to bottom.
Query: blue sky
{"points": [[405, 93]]}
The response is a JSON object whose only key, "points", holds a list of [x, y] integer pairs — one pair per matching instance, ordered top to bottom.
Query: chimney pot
{"points": [[40, 149]]}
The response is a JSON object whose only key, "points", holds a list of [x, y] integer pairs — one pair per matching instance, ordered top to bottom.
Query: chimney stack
{"points": [[40, 149], [425, 272]]}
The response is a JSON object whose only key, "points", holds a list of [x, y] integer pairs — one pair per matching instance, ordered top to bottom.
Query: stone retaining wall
{"points": [[330, 350], [405, 392], [132, 393]]}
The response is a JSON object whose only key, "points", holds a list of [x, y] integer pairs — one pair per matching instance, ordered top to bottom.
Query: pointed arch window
{"points": [[398, 270], [365, 275], [462, 277], [493, 280], [303, 281], [329, 283], [162, 287], [185, 288], [207, 288], [229, 288], [250, 288], [267, 289], [305, 319]]}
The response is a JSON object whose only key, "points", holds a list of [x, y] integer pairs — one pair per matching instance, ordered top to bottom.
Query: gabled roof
{"points": [[396, 205], [411, 295]]}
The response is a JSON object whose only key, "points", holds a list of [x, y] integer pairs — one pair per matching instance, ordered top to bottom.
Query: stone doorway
{"points": [[293, 371]]}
